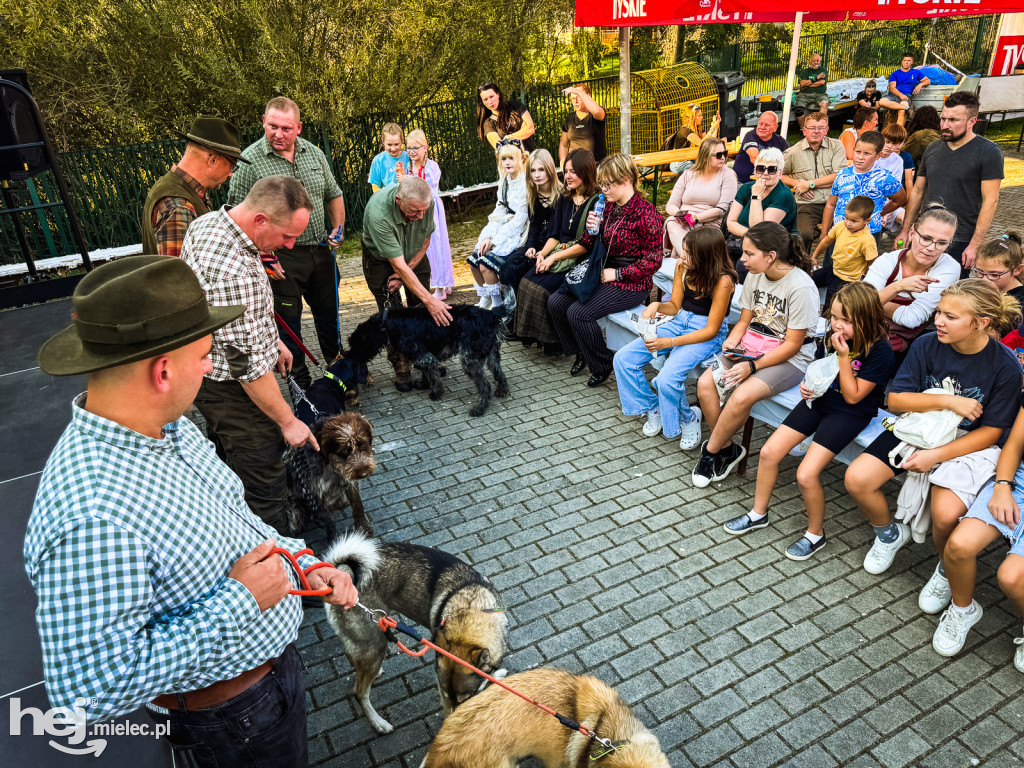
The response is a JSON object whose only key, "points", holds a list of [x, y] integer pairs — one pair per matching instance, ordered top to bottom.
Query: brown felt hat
{"points": [[217, 134], [129, 310]]}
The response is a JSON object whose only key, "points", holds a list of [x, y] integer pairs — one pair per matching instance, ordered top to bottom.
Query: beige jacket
{"points": [[803, 163]]}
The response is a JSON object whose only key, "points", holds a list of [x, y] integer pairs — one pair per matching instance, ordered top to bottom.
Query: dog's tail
{"points": [[503, 314], [357, 552]]}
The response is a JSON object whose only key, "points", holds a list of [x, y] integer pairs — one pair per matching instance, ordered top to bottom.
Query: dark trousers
{"points": [[808, 217], [515, 268], [376, 273], [310, 274], [576, 324], [249, 442], [263, 727]]}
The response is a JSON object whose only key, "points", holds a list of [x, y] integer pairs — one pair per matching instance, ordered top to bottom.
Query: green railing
{"points": [[109, 184]]}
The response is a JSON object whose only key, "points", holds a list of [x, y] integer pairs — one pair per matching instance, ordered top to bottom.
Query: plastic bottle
{"points": [[598, 211]]}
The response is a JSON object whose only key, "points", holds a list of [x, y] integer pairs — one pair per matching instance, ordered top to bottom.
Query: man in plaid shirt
{"points": [[307, 266], [246, 415], [156, 585]]}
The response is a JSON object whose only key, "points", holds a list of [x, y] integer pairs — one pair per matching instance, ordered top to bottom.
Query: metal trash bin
{"points": [[730, 85]]}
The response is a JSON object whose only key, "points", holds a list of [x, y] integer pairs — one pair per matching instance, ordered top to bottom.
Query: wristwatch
{"points": [[812, 184], [755, 197], [753, 368], [1011, 483]]}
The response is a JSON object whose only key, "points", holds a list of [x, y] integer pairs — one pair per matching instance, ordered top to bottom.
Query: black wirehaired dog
{"points": [[474, 335], [326, 396]]}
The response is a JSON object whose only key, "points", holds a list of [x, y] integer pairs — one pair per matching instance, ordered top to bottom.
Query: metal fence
{"points": [[109, 184]]}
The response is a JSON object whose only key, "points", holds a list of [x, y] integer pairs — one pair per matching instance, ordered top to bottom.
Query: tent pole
{"points": [[793, 51], [625, 119]]}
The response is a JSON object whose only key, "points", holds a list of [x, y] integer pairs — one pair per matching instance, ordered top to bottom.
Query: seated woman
{"points": [[498, 118], [690, 134], [542, 193], [702, 195], [763, 199], [505, 229], [631, 232], [559, 252], [910, 282], [701, 293], [771, 343], [987, 378]]}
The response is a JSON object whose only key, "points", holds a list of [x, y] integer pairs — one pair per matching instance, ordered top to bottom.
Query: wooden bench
{"points": [[655, 160], [474, 194]]}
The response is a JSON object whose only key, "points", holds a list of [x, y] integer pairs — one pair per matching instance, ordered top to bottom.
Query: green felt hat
{"points": [[216, 134]]}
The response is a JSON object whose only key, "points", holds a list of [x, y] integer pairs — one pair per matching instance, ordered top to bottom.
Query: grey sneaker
{"points": [[744, 523], [803, 549], [936, 594], [951, 634]]}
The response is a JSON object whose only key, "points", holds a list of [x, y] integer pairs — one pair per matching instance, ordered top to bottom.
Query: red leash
{"points": [[296, 339], [307, 590], [387, 624]]}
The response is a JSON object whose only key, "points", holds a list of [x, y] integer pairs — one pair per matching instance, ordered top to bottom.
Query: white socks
{"points": [[495, 294], [485, 297], [754, 516], [812, 537]]}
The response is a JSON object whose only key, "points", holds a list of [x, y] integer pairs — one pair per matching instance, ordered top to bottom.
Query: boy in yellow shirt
{"points": [[855, 246]]}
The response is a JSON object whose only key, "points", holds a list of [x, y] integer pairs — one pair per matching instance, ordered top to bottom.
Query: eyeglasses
{"points": [[815, 128], [419, 148], [720, 155], [767, 169], [928, 242], [993, 276]]}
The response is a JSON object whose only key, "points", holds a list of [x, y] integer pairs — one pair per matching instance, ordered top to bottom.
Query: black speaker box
{"points": [[18, 126]]}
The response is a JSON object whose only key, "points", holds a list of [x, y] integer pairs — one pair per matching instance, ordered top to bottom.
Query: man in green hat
{"points": [[213, 148], [156, 584]]}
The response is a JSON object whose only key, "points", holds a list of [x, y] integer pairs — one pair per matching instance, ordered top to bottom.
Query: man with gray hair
{"points": [[398, 221], [246, 415]]}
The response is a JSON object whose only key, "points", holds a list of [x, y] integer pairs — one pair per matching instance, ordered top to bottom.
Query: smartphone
{"points": [[690, 221], [740, 354]]}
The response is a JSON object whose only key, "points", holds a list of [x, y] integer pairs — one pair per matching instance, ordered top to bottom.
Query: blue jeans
{"points": [[634, 392], [263, 727]]}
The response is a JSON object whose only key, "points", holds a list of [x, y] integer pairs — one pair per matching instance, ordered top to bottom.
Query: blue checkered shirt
{"points": [[128, 547]]}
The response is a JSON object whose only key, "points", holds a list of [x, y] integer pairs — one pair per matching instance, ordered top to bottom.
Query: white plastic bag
{"points": [[718, 367], [820, 375], [927, 430]]}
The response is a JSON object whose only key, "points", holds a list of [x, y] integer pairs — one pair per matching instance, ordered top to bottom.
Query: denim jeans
{"points": [[634, 392], [264, 727]]}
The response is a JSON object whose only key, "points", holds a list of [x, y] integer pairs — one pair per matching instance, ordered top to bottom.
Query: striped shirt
{"points": [[310, 167], [231, 272], [128, 547]]}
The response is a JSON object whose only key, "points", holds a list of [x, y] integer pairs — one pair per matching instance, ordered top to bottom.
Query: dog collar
{"points": [[336, 380], [607, 749]]}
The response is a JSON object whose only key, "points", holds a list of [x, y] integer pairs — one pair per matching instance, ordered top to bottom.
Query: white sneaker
{"points": [[653, 426], [689, 438], [802, 448], [881, 555], [935, 595], [951, 634], [1018, 657]]}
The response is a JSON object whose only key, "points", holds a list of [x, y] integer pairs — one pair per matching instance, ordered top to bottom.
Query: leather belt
{"points": [[218, 692]]}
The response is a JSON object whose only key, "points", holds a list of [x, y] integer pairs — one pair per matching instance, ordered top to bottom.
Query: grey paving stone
{"points": [[716, 708], [806, 729], [988, 735], [850, 740], [713, 745], [900, 750], [766, 751]]}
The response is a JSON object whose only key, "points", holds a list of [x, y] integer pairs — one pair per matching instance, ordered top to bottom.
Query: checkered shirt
{"points": [[310, 167], [172, 216], [231, 272], [128, 547]]}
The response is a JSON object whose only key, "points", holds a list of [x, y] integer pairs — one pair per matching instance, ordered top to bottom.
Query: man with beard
{"points": [[962, 172]]}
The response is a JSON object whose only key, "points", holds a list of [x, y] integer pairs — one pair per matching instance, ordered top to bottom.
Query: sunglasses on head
{"points": [[769, 169]]}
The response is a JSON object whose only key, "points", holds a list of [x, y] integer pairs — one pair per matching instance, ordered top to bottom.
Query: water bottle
{"points": [[598, 211]]}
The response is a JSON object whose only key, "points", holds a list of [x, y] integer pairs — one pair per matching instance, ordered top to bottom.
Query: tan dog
{"points": [[497, 729]]}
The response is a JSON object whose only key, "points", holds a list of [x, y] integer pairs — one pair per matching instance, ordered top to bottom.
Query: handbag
{"points": [[564, 265], [585, 278], [900, 336], [759, 340], [923, 430]]}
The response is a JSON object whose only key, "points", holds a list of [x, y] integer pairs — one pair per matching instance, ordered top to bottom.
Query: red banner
{"points": [[883, 9], [651, 13]]}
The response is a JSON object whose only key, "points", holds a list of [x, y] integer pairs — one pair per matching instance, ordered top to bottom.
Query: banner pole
{"points": [[793, 51], [625, 117]]}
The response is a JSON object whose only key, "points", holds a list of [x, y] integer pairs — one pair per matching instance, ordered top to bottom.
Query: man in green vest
{"points": [[179, 197]]}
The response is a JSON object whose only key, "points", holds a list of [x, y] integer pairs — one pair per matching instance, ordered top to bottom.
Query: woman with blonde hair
{"points": [[689, 134], [542, 192], [702, 195], [505, 229], [631, 232], [439, 252], [983, 382]]}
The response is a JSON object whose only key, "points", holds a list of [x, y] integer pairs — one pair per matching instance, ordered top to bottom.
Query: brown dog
{"points": [[325, 481], [497, 729]]}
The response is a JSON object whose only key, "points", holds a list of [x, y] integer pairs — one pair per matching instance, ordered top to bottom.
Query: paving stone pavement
{"points": [[613, 564]]}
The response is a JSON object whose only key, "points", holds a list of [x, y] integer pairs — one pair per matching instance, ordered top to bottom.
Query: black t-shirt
{"points": [[873, 98], [513, 124], [585, 132], [955, 176], [539, 219], [566, 219], [876, 367], [992, 377]]}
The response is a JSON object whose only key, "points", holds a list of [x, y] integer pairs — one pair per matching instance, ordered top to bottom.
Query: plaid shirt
{"points": [[310, 167], [172, 215], [231, 272], [128, 547]]}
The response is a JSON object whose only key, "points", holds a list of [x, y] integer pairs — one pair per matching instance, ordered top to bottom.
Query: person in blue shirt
{"points": [[904, 83], [390, 165], [864, 178]]}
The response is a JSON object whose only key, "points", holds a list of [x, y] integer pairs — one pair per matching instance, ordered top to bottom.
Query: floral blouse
{"points": [[632, 233]]}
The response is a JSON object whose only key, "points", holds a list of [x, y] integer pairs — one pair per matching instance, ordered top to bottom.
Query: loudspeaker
{"points": [[18, 126]]}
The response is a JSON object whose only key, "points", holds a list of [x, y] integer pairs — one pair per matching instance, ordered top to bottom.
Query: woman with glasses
{"points": [[498, 118], [702, 195], [764, 199], [631, 232], [439, 252], [910, 281]]}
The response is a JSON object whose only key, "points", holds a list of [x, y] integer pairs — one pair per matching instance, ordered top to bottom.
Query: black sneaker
{"points": [[726, 461], [701, 475]]}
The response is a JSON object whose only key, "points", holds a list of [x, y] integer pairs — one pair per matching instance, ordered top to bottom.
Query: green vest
{"points": [[168, 185]]}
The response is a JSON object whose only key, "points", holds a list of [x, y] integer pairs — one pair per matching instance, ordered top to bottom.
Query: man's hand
{"points": [[802, 187], [336, 237], [970, 256], [394, 283], [439, 311], [284, 360], [296, 434], [263, 574], [343, 590]]}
